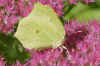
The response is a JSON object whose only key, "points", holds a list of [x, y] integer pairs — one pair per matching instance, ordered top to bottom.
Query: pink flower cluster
{"points": [[10, 13], [83, 43], [81, 48]]}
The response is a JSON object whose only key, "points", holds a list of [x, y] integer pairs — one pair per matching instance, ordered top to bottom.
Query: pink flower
{"points": [[3, 2], [73, 2], [25, 7], [2, 63]]}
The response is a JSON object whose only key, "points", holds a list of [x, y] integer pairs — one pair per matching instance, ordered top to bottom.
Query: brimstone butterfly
{"points": [[41, 28]]}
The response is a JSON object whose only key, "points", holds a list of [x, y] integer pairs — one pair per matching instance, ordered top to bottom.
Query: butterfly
{"points": [[42, 28]]}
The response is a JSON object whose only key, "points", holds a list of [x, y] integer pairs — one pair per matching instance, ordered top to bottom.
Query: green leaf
{"points": [[98, 3], [83, 12], [42, 28], [12, 50]]}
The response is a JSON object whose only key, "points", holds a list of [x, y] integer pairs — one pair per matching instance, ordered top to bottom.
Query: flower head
{"points": [[84, 51]]}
